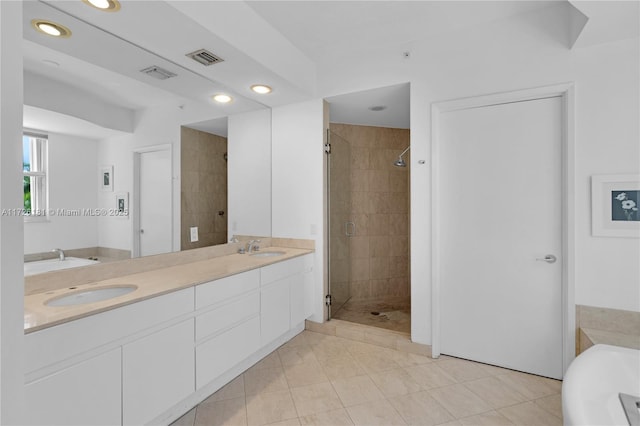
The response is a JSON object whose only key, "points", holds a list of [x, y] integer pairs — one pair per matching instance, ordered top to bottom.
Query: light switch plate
{"points": [[194, 233]]}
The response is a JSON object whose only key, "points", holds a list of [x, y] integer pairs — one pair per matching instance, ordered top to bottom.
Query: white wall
{"points": [[507, 55], [156, 125], [298, 133], [249, 174], [73, 185], [11, 226]]}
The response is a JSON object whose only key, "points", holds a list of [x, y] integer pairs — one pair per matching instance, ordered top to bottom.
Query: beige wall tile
{"points": [[360, 158], [360, 180], [378, 180], [379, 224], [360, 247], [378, 247], [360, 268], [379, 269], [360, 289], [615, 320]]}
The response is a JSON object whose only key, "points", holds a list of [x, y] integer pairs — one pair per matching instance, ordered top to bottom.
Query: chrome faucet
{"points": [[253, 246], [60, 253]]}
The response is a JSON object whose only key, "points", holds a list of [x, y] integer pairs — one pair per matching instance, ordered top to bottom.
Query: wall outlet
{"points": [[313, 229], [194, 233]]}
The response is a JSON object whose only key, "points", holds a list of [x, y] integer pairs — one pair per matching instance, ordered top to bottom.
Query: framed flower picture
{"points": [[615, 204]]}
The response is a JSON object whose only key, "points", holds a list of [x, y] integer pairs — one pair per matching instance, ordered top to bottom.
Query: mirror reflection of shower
{"points": [[400, 161]]}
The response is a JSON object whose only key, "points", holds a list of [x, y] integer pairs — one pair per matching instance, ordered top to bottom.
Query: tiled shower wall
{"points": [[203, 188], [379, 206]]}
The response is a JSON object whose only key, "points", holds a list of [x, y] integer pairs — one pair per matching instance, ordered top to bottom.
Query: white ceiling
{"points": [[325, 30], [279, 43], [354, 108], [54, 122]]}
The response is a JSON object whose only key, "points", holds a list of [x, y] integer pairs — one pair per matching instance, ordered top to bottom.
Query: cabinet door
{"points": [[274, 310], [217, 355], [157, 372], [88, 393]]}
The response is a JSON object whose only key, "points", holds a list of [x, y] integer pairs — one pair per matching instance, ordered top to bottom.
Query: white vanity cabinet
{"points": [[282, 297], [227, 324], [150, 361], [74, 371], [157, 373], [86, 393]]}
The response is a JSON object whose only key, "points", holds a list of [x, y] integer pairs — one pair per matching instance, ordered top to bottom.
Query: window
{"points": [[34, 169]]}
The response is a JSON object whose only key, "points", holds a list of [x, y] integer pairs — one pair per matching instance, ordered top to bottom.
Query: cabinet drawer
{"points": [[278, 271], [225, 288], [220, 318], [55, 344], [214, 357], [87, 393]]}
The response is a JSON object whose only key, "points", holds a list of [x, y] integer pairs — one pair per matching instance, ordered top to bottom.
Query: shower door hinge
{"points": [[327, 148], [327, 300]]}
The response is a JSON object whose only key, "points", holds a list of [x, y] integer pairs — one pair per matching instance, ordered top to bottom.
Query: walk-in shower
{"points": [[368, 213]]}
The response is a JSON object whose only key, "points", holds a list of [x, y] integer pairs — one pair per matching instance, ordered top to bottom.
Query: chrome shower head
{"points": [[400, 161]]}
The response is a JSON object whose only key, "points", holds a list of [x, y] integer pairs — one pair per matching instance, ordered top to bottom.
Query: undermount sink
{"points": [[267, 253], [91, 295]]}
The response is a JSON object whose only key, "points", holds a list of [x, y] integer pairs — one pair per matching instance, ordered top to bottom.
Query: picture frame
{"points": [[106, 178], [122, 205], [615, 206]]}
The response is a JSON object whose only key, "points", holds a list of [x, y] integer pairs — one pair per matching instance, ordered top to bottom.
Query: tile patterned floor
{"points": [[316, 379]]}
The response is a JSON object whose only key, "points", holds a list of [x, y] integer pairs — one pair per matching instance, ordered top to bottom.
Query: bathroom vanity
{"points": [[152, 354]]}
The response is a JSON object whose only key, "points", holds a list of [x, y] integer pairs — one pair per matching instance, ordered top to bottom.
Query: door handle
{"points": [[142, 231], [548, 258]]}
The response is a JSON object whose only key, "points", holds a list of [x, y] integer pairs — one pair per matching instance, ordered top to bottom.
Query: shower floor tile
{"points": [[393, 313]]}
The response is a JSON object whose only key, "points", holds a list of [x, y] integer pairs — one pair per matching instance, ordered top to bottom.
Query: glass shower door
{"points": [[341, 226]]}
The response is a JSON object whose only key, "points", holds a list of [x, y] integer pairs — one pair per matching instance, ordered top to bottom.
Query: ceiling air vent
{"points": [[205, 57], [158, 73]]}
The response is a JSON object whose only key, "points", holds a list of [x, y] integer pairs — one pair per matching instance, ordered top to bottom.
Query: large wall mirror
{"points": [[102, 139]]}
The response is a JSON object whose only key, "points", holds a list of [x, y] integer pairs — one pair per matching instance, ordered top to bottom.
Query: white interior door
{"points": [[155, 207], [500, 213]]}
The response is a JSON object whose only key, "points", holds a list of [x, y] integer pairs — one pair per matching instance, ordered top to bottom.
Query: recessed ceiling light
{"points": [[104, 5], [50, 28], [262, 89], [222, 98], [378, 108]]}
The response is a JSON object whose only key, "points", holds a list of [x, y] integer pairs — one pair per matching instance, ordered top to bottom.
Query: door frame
{"points": [[566, 92], [135, 212]]}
